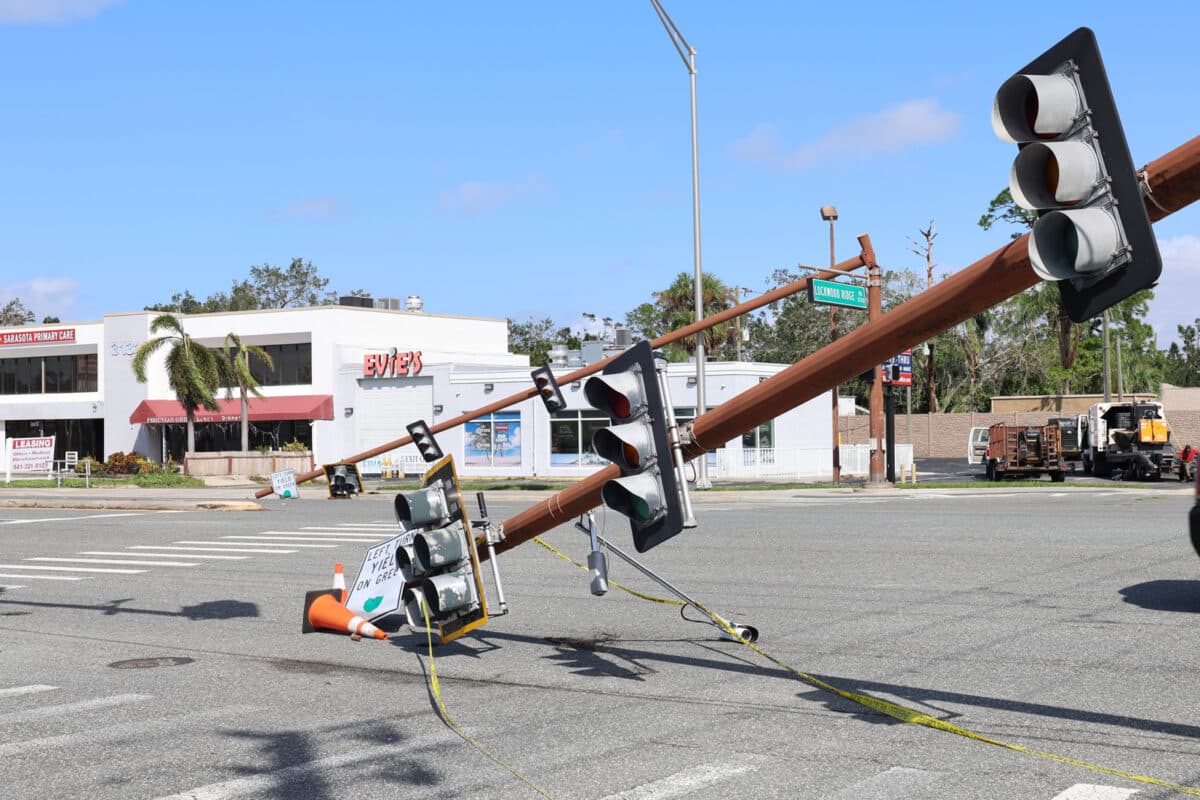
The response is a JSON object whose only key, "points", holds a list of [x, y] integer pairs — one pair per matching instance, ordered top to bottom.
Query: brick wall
{"points": [[945, 435]]}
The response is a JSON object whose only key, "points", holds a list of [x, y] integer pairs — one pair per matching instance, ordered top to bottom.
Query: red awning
{"points": [[262, 409]]}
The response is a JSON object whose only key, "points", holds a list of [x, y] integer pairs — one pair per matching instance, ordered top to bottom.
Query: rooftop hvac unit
{"points": [[354, 300], [389, 303], [414, 303], [624, 337], [558, 355]]}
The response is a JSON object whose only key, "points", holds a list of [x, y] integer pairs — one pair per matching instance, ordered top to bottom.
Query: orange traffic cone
{"points": [[339, 581], [323, 611]]}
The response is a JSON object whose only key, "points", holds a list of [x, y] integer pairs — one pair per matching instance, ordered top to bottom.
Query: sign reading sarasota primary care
{"points": [[54, 336], [392, 364]]}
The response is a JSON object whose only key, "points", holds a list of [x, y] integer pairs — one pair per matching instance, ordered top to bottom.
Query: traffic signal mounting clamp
{"points": [[1074, 169], [637, 442]]}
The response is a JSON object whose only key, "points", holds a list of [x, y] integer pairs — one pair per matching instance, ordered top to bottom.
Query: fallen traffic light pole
{"points": [[1169, 183], [674, 336]]}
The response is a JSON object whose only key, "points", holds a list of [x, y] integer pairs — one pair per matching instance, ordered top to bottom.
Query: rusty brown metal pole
{"points": [[1172, 182], [682, 333], [875, 404]]}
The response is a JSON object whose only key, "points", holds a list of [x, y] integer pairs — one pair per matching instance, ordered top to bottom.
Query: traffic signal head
{"points": [[1074, 170], [552, 396], [423, 438], [344, 480], [647, 492], [439, 561]]}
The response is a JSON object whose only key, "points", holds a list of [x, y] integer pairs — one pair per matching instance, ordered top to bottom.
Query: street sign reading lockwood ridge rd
{"points": [[837, 294]]}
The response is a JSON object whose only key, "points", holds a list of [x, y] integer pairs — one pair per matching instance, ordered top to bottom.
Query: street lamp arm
{"points": [[676, 37]]}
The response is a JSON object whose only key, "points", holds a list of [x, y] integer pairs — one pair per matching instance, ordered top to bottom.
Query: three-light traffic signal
{"points": [[1074, 169], [547, 386], [426, 444], [647, 491], [440, 563]]}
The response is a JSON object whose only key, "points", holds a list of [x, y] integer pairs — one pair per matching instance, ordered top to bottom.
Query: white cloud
{"points": [[35, 11], [892, 130], [477, 197], [315, 209], [1177, 295], [45, 297]]}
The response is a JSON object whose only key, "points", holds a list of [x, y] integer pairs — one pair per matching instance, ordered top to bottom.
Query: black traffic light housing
{"points": [[1084, 298], [547, 386], [423, 438], [647, 491]]}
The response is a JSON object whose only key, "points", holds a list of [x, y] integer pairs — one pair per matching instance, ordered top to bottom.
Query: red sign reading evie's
{"points": [[392, 364]]}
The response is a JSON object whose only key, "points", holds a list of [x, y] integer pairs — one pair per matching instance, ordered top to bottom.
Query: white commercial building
{"points": [[348, 379]]}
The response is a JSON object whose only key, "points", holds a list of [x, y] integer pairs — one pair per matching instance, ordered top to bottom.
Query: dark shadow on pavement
{"points": [[1165, 596], [210, 609]]}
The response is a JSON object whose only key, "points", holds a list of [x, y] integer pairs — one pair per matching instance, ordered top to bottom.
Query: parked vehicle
{"points": [[1128, 439], [977, 443], [1072, 443], [1025, 451], [1194, 516]]}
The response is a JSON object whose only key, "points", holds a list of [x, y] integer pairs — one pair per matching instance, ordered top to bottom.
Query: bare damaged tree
{"points": [[925, 250]]}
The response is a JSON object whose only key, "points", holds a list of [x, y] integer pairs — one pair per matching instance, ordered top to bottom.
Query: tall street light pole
{"points": [[688, 54], [830, 213]]}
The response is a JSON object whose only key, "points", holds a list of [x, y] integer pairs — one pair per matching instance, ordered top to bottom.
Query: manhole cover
{"points": [[150, 663]]}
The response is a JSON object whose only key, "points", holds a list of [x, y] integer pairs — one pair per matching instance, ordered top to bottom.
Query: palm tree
{"points": [[677, 306], [238, 360], [194, 372]]}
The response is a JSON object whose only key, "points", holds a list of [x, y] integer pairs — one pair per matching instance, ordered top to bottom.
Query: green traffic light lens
{"points": [[640, 509]]}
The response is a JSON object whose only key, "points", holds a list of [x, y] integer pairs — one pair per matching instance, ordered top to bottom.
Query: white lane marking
{"points": [[67, 519], [370, 526], [363, 535], [299, 537], [256, 544], [228, 549], [189, 551], [117, 561], [76, 569], [41, 577], [6, 586], [32, 688], [72, 708], [120, 731], [691, 780], [894, 782], [267, 783], [1091, 791]]}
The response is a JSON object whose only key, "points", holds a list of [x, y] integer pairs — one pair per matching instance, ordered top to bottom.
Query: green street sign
{"points": [[837, 294]]}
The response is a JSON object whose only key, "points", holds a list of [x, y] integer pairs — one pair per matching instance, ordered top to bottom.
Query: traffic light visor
{"points": [[1030, 108], [1052, 174], [1073, 243], [619, 394], [636, 496]]}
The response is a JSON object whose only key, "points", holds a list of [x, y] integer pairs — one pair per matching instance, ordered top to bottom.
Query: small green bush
{"points": [[295, 446]]}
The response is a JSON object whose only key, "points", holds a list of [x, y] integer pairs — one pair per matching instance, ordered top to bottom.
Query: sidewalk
{"points": [[219, 494]]}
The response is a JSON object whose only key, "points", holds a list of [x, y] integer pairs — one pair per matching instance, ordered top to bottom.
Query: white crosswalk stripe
{"points": [[286, 537], [247, 548], [190, 550], [192, 556], [116, 561], [75, 569], [41, 577], [32, 688], [40, 712], [1090, 791]]}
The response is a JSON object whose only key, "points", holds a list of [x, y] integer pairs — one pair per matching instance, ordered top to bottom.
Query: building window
{"points": [[292, 365], [49, 374], [571, 437], [760, 438], [493, 440]]}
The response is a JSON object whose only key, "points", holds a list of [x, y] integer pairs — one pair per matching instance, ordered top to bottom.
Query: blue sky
{"points": [[529, 158]]}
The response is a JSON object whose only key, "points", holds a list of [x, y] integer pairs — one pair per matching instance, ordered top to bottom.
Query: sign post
{"points": [[30, 454], [283, 483]]}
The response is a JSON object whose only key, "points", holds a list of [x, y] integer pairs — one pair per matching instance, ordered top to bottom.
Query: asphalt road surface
{"points": [[1063, 621]]}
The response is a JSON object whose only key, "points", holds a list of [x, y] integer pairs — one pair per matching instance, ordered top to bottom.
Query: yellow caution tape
{"points": [[664, 600], [437, 693], [900, 712]]}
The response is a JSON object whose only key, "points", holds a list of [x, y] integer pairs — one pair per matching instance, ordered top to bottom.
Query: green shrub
{"points": [[295, 446], [81, 466]]}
